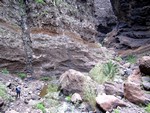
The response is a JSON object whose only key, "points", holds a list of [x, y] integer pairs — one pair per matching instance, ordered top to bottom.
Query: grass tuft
{"points": [[131, 59], [5, 71], [22, 75], [41, 107], [147, 108]]}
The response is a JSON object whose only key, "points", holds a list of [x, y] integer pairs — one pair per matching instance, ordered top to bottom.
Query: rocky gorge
{"points": [[87, 56]]}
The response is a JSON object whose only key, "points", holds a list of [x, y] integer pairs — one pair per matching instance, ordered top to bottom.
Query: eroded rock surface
{"points": [[133, 29], [132, 89]]}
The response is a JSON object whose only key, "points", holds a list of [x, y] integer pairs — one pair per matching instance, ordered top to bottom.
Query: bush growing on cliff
{"points": [[131, 59], [5, 71], [104, 72], [22, 75]]}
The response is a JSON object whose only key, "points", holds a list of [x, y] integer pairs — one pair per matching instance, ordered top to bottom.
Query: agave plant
{"points": [[110, 69]]}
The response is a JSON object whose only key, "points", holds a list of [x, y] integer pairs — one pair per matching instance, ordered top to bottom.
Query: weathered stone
{"points": [[144, 65], [75, 82], [146, 85], [114, 89], [132, 89], [76, 98], [109, 102]]}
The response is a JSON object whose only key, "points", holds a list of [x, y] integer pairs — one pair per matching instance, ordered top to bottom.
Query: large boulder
{"points": [[144, 65], [73, 81], [132, 89], [109, 102]]}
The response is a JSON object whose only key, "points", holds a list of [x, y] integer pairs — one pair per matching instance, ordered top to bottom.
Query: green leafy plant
{"points": [[40, 1], [118, 59], [131, 59], [110, 69], [5, 71], [104, 72], [22, 75], [52, 88], [3, 92], [89, 95], [68, 98], [41, 107], [147, 108], [116, 111]]}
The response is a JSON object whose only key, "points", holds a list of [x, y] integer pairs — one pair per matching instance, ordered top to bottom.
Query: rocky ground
{"points": [[124, 94]]}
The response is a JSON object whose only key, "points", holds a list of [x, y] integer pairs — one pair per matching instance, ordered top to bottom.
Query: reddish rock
{"points": [[144, 65], [113, 89], [132, 89], [109, 102]]}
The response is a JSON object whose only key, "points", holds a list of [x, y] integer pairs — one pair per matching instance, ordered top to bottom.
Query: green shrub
{"points": [[40, 1], [118, 59], [131, 59], [110, 69], [5, 71], [104, 72], [22, 75], [45, 78], [52, 88], [3, 92], [89, 95], [68, 98], [41, 107], [147, 109], [116, 111]]}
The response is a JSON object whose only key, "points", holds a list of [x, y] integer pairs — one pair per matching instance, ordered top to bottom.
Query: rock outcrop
{"points": [[133, 29], [62, 35], [144, 65], [132, 89]]}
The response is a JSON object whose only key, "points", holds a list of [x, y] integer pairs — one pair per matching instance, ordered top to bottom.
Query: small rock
{"points": [[127, 65], [127, 72], [146, 79], [8, 84], [146, 85], [35, 97], [76, 98], [26, 101], [109, 102], [1, 103]]}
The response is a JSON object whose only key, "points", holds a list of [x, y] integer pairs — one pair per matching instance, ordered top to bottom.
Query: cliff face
{"points": [[133, 24], [63, 35]]}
